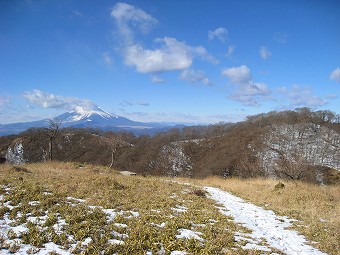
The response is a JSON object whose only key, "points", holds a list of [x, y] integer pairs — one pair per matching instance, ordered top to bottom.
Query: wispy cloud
{"points": [[78, 13], [128, 16], [220, 33], [281, 38], [231, 50], [202, 53], [264, 53], [107, 58], [335, 75], [195, 76], [157, 79], [247, 92], [299, 96], [332, 96], [3, 100], [49, 100], [125, 103], [128, 103], [143, 103], [160, 116], [182, 117]]}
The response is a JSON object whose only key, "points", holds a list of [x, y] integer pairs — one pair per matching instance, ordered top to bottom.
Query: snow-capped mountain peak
{"points": [[80, 113], [87, 117]]}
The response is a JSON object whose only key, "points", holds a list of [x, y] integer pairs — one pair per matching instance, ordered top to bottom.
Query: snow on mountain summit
{"points": [[80, 113], [87, 116]]}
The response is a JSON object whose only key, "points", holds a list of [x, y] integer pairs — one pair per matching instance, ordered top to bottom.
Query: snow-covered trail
{"points": [[264, 224]]}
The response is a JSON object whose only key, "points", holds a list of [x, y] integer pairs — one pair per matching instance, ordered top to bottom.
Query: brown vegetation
{"points": [[222, 149]]}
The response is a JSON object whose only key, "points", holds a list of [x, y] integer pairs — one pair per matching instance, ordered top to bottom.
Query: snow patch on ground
{"points": [[179, 209], [264, 225], [189, 234], [11, 244], [178, 253]]}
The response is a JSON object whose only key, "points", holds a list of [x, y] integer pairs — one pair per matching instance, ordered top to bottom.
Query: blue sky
{"points": [[193, 61]]}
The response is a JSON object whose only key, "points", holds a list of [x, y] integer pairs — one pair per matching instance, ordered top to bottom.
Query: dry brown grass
{"points": [[153, 198], [316, 207]]}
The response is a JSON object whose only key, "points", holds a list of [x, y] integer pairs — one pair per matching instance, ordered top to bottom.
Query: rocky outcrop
{"points": [[292, 149], [15, 153]]}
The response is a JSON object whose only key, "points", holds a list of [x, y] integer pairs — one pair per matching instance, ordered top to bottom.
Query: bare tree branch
{"points": [[51, 132]]}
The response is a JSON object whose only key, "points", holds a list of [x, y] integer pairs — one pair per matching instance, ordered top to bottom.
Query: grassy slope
{"points": [[156, 201]]}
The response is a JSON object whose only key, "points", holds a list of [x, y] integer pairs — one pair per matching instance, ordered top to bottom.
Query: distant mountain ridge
{"points": [[92, 118], [289, 145]]}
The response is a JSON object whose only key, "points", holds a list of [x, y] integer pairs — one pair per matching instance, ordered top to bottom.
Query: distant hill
{"points": [[293, 145]]}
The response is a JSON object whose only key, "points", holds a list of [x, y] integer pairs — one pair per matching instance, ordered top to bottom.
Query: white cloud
{"points": [[127, 16], [220, 33], [231, 50], [201, 52], [264, 53], [169, 55], [173, 55], [107, 58], [239, 74], [335, 75], [194, 76], [157, 79], [247, 91], [251, 93], [299, 96], [332, 96], [48, 100]]}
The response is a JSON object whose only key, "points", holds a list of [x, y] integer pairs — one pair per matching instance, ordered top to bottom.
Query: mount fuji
{"points": [[89, 118], [98, 118]]}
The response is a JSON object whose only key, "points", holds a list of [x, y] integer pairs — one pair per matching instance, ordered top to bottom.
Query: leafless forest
{"points": [[294, 145]]}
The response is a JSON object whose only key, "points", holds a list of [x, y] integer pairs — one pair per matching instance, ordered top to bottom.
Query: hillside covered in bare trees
{"points": [[294, 145]]}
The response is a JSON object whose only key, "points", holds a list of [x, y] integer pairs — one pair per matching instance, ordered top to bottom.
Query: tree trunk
{"points": [[50, 149], [112, 154]]}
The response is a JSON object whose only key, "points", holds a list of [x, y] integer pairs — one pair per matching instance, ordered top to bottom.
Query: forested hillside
{"points": [[296, 145]]}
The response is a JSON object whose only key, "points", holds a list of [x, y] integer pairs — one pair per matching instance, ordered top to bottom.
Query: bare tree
{"points": [[51, 132], [114, 141]]}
